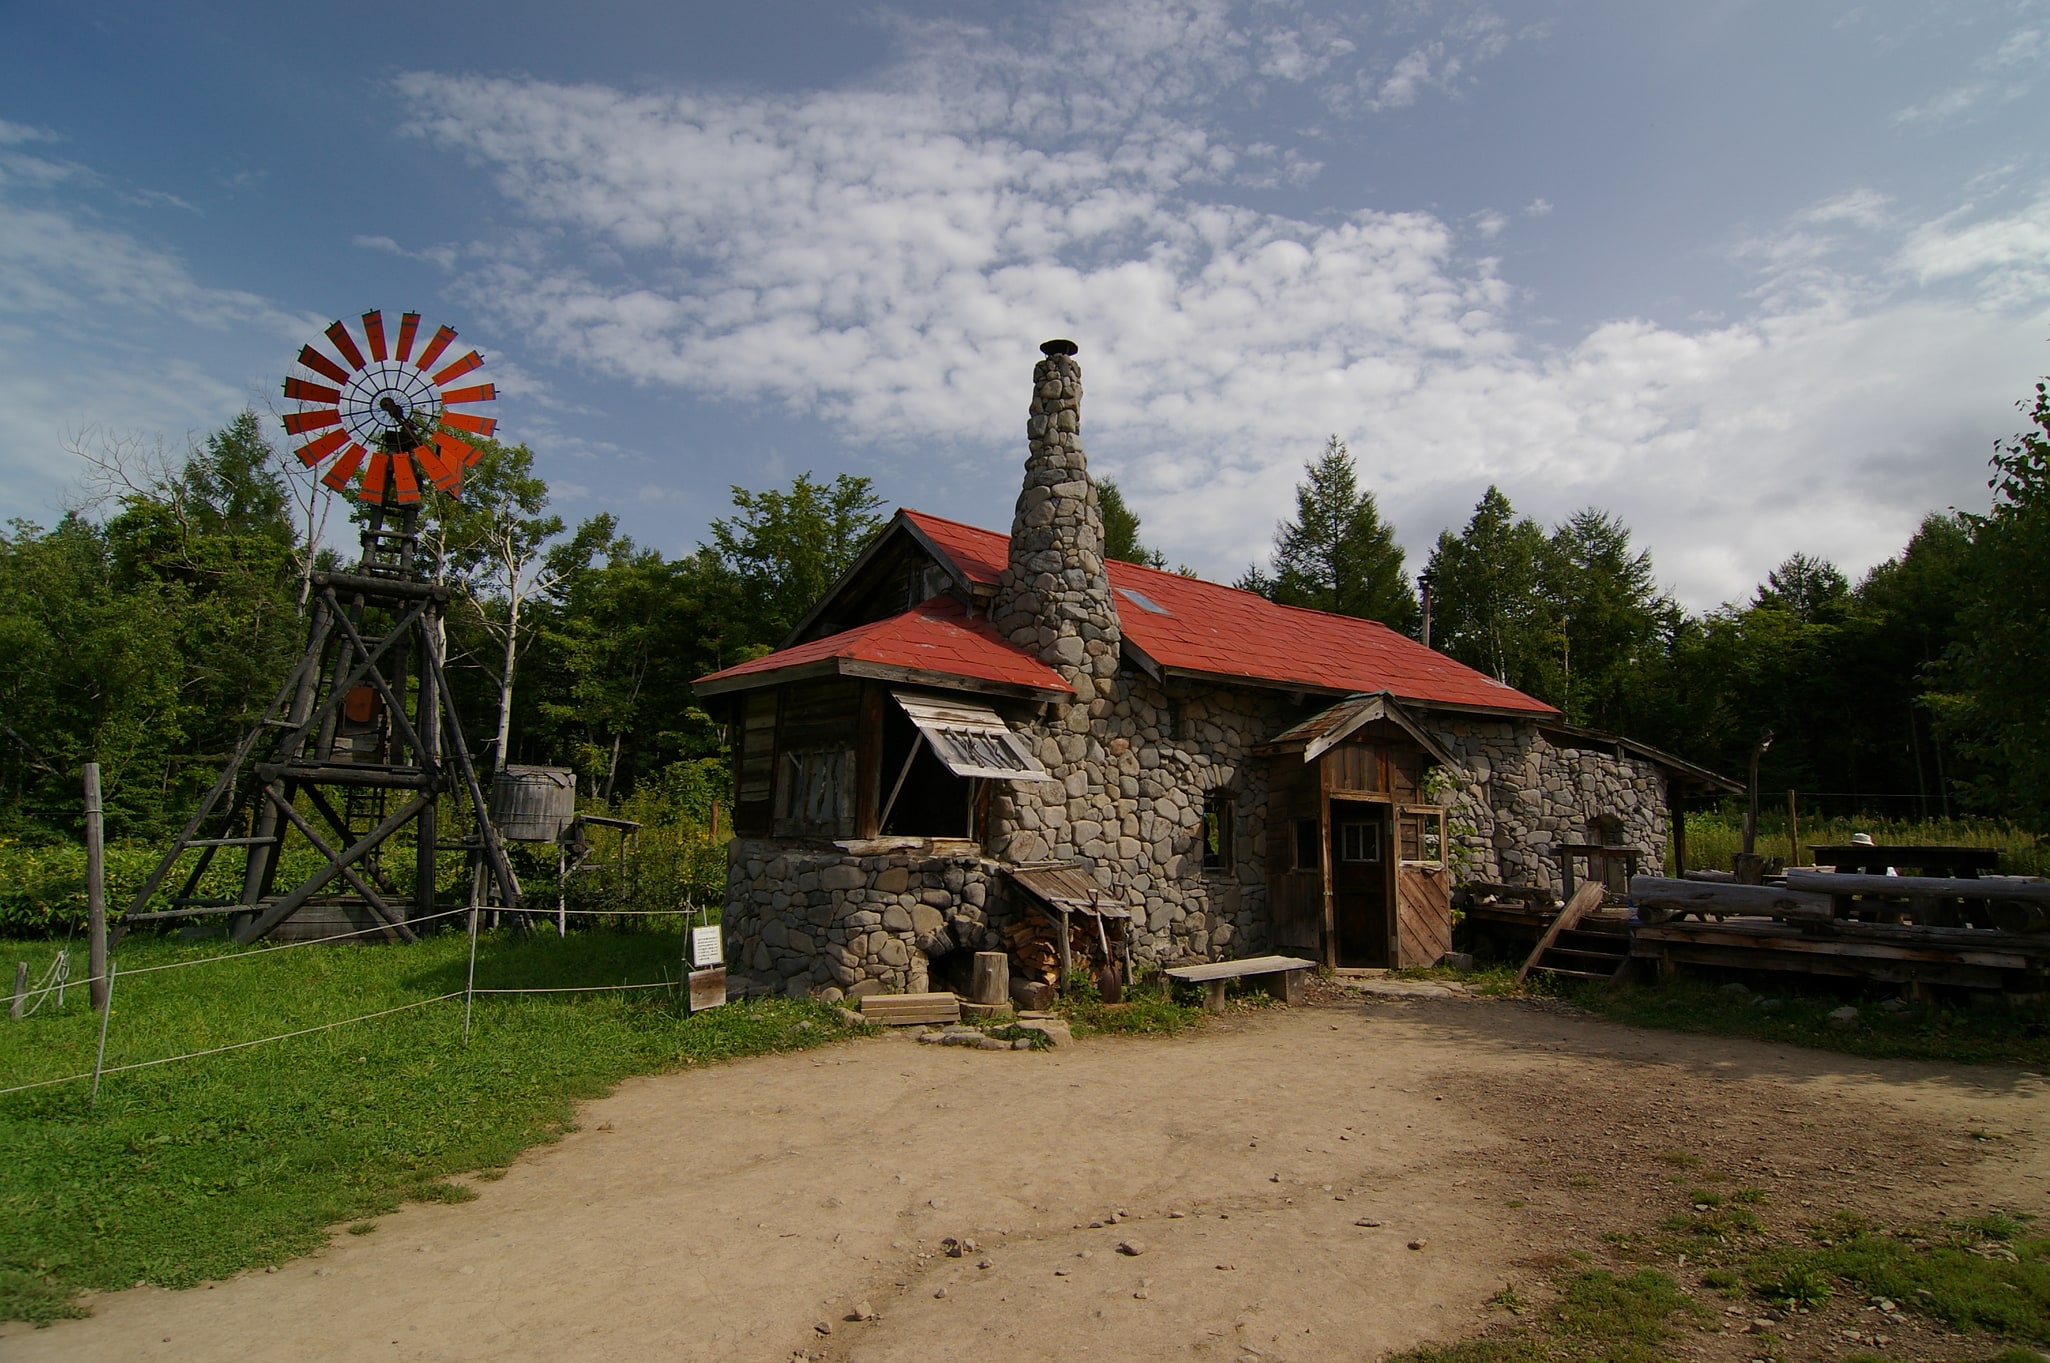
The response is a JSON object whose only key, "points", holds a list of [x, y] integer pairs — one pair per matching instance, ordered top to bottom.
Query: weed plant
{"points": [[203, 1168]]}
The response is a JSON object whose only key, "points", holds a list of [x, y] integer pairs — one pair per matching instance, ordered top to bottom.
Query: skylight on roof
{"points": [[1143, 602]]}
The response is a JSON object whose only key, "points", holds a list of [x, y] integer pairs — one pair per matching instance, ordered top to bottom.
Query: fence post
{"points": [[98, 988], [15, 1009], [100, 1056]]}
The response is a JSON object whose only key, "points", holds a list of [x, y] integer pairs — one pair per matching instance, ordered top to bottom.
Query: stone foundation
{"points": [[839, 919]]}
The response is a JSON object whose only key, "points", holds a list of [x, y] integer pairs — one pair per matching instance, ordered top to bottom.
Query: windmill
{"points": [[360, 744]]}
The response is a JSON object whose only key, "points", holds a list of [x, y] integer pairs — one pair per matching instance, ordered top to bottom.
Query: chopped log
{"points": [[1712, 877], [1935, 887], [1700, 896], [1585, 899], [990, 980]]}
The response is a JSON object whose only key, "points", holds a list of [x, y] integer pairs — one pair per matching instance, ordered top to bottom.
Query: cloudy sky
{"points": [[1757, 277]]}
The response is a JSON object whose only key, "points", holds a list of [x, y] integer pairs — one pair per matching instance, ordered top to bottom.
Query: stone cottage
{"points": [[975, 732]]}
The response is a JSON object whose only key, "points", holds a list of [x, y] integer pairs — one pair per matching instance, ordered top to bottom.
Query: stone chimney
{"points": [[1054, 598]]}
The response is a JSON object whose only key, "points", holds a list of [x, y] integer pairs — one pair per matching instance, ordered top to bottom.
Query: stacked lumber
{"points": [[905, 1010]]}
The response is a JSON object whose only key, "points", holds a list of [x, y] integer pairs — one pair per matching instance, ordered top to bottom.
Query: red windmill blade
{"points": [[383, 419]]}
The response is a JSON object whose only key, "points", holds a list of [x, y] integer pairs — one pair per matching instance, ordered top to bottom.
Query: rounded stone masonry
{"points": [[807, 919]]}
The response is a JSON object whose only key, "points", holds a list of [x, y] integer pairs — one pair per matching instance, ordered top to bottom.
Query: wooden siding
{"points": [[1423, 915]]}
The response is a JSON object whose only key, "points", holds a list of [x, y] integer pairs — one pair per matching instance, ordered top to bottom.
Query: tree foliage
{"points": [[1121, 528], [785, 548], [1337, 554], [1996, 705]]}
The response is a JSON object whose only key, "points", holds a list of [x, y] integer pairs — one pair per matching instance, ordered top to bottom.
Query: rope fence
{"points": [[55, 978]]}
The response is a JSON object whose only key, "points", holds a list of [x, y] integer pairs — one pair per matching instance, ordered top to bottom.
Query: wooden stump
{"points": [[990, 980]]}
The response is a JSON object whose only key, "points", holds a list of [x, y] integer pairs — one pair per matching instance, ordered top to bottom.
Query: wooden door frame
{"points": [[1330, 826]]}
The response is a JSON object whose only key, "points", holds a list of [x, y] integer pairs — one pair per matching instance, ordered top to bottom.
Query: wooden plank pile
{"points": [[1980, 933], [905, 1010]]}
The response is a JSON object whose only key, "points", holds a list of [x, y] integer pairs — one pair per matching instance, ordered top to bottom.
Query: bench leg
{"points": [[1286, 985], [1213, 996]]}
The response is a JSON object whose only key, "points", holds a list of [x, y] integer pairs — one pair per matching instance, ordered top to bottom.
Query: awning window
{"points": [[971, 739]]}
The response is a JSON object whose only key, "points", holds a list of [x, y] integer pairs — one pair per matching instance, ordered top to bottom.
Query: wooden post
{"points": [[1679, 820], [715, 821], [1793, 832], [95, 891], [991, 980], [14, 1010]]}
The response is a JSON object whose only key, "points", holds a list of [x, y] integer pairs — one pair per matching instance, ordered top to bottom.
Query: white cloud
{"points": [[2008, 72], [1538, 208], [2008, 256], [442, 257], [884, 258], [102, 330]]}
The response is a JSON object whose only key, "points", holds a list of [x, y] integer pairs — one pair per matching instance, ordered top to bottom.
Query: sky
{"points": [[1758, 278]]}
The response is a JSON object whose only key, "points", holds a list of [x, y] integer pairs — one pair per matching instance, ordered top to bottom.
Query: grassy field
{"points": [[1712, 837], [1918, 1032], [202, 1168]]}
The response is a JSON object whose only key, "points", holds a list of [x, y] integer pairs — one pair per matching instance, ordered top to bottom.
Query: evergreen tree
{"points": [[1121, 528], [1338, 554], [1489, 606], [1611, 618]]}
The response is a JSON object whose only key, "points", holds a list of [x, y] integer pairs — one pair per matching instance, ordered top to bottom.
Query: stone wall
{"points": [[1134, 760], [1526, 795], [831, 920]]}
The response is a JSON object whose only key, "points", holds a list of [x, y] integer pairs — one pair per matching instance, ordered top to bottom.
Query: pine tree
{"points": [[1338, 554]]}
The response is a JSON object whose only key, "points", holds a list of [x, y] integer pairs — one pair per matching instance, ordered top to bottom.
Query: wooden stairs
{"points": [[1576, 952]]}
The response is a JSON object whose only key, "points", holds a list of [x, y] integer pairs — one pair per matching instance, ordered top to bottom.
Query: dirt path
{"points": [[727, 1213]]}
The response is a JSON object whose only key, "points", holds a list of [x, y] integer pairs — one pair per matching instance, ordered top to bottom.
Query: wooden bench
{"points": [[1281, 976]]}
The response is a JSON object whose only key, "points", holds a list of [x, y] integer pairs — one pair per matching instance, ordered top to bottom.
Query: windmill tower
{"points": [[360, 747]]}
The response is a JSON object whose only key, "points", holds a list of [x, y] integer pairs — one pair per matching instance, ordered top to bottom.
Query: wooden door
{"points": [[1359, 883], [1423, 914]]}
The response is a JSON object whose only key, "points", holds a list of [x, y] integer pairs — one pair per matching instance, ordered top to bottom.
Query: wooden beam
{"points": [[1905, 887], [1698, 896], [1586, 899]]}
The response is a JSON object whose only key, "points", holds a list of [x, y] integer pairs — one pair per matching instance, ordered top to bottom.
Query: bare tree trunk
{"points": [[505, 679], [612, 769]]}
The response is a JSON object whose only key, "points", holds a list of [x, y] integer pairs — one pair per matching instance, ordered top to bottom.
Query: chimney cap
{"points": [[1059, 347]]}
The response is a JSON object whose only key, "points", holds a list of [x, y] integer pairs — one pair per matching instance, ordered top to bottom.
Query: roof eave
{"points": [[766, 678]]}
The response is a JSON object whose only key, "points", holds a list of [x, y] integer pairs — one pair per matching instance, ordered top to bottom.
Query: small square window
{"points": [[1217, 832], [1423, 836], [1359, 842], [1308, 855]]}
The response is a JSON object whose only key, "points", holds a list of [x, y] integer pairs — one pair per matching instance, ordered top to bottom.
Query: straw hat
{"points": [[1861, 839]]}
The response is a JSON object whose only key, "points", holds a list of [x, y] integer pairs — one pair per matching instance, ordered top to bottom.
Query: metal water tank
{"points": [[533, 804]]}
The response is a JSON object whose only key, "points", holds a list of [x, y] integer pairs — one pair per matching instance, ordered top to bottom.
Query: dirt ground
{"points": [[1331, 1181]]}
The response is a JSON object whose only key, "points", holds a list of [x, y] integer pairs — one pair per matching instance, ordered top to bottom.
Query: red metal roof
{"points": [[1202, 626], [937, 637]]}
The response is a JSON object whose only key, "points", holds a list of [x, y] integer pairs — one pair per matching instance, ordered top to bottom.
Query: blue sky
{"points": [[1757, 277]]}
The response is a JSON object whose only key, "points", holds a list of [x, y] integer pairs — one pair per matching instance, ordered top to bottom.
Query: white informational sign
{"points": [[705, 948]]}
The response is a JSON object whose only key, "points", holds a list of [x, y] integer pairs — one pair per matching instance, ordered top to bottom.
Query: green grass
{"points": [[1713, 837], [1920, 1032], [195, 1170], [1989, 1275], [1599, 1316]]}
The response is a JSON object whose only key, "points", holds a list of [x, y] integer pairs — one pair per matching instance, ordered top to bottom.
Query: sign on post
{"points": [[705, 948], [707, 988]]}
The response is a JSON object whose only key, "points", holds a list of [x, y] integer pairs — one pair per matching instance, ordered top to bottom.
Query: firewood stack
{"points": [[1034, 944]]}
